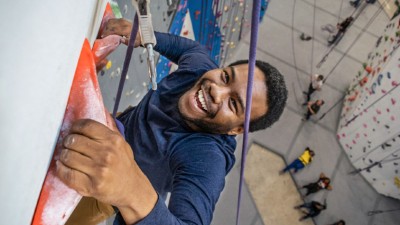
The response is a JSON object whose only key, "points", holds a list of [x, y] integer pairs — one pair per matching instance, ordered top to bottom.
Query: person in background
{"points": [[356, 3], [341, 27], [316, 82], [313, 108], [300, 162], [323, 182], [313, 208]]}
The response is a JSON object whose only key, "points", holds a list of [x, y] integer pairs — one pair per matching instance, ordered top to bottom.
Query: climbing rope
{"points": [[340, 11], [313, 40], [293, 50], [128, 56], [252, 61], [371, 213]]}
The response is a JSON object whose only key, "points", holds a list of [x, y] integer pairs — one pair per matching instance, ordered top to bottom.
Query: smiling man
{"points": [[216, 103], [182, 137]]}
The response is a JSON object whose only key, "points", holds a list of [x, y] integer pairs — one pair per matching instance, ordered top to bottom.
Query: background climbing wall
{"points": [[217, 24], [137, 80], [369, 129]]}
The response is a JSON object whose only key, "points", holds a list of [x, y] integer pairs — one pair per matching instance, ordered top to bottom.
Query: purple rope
{"points": [[252, 61], [125, 68]]}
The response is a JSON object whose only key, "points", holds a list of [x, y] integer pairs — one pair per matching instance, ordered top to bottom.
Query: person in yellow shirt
{"points": [[300, 162]]}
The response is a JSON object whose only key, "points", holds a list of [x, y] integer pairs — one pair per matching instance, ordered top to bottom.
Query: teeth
{"points": [[202, 101]]}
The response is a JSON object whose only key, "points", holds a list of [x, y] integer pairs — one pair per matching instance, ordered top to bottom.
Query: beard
{"points": [[204, 126]]}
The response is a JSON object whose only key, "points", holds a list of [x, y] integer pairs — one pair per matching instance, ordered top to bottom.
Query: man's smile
{"points": [[201, 100]]}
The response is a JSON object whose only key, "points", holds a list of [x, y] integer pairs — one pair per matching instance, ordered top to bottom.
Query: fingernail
{"points": [[69, 140], [63, 154], [57, 164]]}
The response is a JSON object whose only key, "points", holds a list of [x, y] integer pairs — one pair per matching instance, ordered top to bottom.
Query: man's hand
{"points": [[123, 28], [97, 162]]}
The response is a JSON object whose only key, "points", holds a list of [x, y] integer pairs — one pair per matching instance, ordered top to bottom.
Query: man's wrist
{"points": [[140, 205]]}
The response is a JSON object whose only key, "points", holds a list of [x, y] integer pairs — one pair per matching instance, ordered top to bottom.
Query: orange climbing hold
{"points": [[57, 201]]}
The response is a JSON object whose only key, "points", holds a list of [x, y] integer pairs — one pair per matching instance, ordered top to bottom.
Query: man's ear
{"points": [[236, 131]]}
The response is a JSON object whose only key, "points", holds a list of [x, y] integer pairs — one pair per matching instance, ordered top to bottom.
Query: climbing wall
{"points": [[218, 25], [137, 80], [369, 128]]}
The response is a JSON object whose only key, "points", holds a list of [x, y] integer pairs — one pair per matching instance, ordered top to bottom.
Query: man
{"points": [[341, 27], [316, 82], [313, 108], [182, 137], [300, 162], [323, 182], [314, 209]]}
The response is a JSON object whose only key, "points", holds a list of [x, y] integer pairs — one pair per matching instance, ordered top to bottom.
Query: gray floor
{"points": [[279, 44]]}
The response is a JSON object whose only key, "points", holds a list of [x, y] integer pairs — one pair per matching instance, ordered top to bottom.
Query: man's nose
{"points": [[218, 93]]}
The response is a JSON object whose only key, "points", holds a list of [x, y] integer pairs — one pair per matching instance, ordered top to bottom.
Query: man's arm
{"points": [[177, 48], [182, 51], [309, 104], [97, 162], [197, 184]]}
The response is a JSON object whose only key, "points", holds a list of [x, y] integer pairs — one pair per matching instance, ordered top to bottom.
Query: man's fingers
{"points": [[120, 27], [91, 129], [82, 144], [77, 161], [74, 179]]}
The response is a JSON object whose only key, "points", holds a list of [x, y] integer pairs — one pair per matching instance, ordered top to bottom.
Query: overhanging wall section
{"points": [[40, 44]]}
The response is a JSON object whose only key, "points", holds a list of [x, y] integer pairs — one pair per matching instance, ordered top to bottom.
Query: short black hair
{"points": [[320, 77], [276, 95]]}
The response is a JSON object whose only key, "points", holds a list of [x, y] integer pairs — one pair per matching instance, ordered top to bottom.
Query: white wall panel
{"points": [[40, 44]]}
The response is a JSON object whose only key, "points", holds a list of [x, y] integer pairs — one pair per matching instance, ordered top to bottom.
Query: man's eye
{"points": [[226, 77], [233, 102]]}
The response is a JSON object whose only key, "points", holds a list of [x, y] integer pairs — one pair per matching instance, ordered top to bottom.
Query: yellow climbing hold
{"points": [[108, 65], [397, 182]]}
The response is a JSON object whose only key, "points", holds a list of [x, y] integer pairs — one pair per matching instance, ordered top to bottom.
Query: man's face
{"points": [[216, 103]]}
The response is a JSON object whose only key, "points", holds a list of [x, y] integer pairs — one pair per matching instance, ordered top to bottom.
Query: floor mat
{"points": [[274, 195]]}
